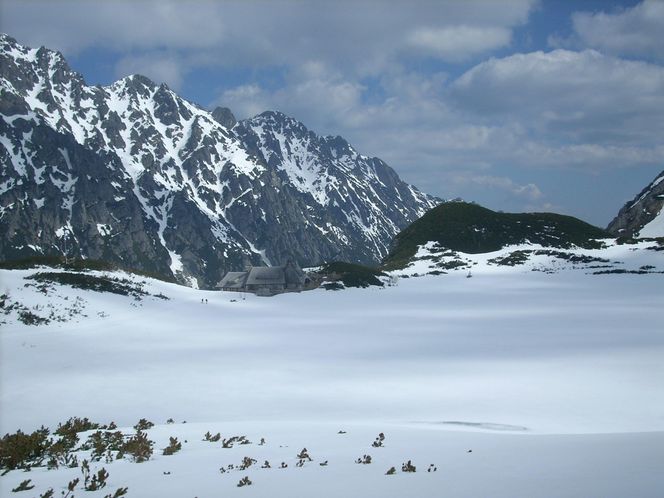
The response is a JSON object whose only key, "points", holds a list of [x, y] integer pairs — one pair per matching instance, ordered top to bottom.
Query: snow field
{"points": [[564, 371], [498, 465]]}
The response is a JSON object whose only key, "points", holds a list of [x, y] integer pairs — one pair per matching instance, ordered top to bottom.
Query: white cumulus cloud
{"points": [[634, 32], [458, 43], [579, 96]]}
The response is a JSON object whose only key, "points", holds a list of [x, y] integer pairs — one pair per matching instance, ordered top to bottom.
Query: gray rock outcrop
{"points": [[639, 214]]}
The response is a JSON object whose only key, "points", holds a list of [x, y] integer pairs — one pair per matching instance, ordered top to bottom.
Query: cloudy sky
{"points": [[516, 104]]}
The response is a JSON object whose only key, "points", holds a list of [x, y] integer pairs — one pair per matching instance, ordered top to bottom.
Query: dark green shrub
{"points": [[512, 259], [77, 265], [352, 275], [84, 281], [334, 286], [29, 318], [75, 425], [143, 425], [213, 439], [378, 442], [102, 443], [228, 443], [138, 446], [173, 446], [22, 450], [60, 453], [97, 481], [244, 482], [24, 486], [70, 488], [118, 493]]}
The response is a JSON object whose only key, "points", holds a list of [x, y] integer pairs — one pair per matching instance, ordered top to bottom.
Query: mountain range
{"points": [[134, 174]]}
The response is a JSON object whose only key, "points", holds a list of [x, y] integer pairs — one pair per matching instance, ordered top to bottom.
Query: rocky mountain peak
{"points": [[23, 67], [136, 84], [224, 116]]}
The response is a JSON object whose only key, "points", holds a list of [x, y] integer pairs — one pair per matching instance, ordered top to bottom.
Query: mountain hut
{"points": [[266, 280]]}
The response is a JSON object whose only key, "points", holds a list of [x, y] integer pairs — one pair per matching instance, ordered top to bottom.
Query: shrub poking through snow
{"points": [[122, 286], [29, 318], [75, 425], [143, 425], [213, 439], [379, 441], [103, 443], [228, 443], [138, 446], [173, 446], [21, 450], [59, 454], [304, 454], [365, 460], [246, 463], [408, 467], [391, 471], [93, 482], [244, 482], [24, 486], [70, 488], [118, 493]]}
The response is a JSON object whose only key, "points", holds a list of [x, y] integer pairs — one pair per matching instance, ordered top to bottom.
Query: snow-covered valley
{"points": [[553, 380]]}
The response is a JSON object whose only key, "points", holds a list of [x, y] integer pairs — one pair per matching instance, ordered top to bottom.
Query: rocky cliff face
{"points": [[134, 174], [644, 215]]}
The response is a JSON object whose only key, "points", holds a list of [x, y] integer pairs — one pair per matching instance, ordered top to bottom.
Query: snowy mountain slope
{"points": [[135, 174], [336, 186], [644, 215], [461, 237], [640, 258], [552, 380]]}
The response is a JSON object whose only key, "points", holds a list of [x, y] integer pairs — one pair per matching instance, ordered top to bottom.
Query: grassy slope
{"points": [[473, 229]]}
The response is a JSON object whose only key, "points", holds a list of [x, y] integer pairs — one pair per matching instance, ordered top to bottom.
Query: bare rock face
{"points": [[224, 116], [134, 174], [644, 215]]}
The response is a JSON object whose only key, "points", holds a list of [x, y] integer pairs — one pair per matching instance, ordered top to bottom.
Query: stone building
{"points": [[266, 280]]}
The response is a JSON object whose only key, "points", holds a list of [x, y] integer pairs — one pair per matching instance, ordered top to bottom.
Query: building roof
{"points": [[266, 275], [287, 276], [234, 279]]}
